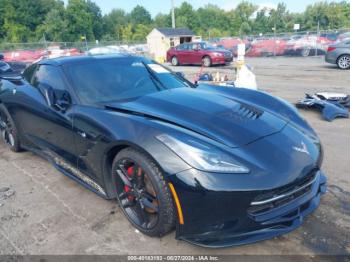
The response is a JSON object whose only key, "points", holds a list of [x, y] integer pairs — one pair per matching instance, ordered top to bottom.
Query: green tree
{"points": [[316, 13], [139, 15], [80, 16], [186, 16], [21, 18], [214, 18], [241, 18], [278, 18], [162, 20], [97, 21], [114, 22], [261, 22], [54, 26], [141, 31], [126, 32]]}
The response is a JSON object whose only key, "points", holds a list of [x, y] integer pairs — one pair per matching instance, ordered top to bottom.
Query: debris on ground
{"points": [[332, 105], [5, 193]]}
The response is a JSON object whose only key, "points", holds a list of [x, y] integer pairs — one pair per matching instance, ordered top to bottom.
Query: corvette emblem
{"points": [[302, 149]]}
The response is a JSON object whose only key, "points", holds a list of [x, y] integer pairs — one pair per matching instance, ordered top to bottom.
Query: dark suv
{"points": [[200, 53]]}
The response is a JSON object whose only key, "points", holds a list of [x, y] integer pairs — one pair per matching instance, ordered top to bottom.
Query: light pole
{"points": [[173, 13]]}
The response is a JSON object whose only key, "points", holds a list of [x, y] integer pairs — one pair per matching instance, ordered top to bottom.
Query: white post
{"points": [[173, 13]]}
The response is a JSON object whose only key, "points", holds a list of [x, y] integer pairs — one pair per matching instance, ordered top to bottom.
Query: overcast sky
{"points": [[157, 6]]}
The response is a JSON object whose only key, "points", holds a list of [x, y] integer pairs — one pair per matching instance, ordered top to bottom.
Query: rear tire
{"points": [[175, 61], [207, 61], [343, 62], [8, 130], [130, 198]]}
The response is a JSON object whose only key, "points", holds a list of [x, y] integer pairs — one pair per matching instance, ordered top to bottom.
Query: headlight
{"points": [[218, 54], [202, 156]]}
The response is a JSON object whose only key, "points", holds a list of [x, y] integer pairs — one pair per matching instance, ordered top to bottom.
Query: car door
{"points": [[182, 53], [195, 54], [44, 125]]}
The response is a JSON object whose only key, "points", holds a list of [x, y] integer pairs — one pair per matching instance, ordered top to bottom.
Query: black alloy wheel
{"points": [[142, 193]]}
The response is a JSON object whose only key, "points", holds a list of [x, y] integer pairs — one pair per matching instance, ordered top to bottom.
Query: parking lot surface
{"points": [[43, 212]]}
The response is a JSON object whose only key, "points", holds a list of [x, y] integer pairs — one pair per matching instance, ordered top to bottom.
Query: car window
{"points": [[181, 47], [184, 47], [191, 47], [28, 72], [49, 75], [119, 79]]}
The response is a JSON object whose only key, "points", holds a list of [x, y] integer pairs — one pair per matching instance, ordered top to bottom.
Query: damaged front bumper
{"points": [[225, 218]]}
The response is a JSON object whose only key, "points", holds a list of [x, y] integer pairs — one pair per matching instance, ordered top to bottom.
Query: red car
{"points": [[266, 47], [199, 53]]}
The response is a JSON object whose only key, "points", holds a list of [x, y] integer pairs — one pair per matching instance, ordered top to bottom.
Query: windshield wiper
{"points": [[154, 77]]}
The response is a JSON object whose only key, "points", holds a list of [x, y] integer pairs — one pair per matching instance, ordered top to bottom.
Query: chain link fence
{"points": [[308, 43]]}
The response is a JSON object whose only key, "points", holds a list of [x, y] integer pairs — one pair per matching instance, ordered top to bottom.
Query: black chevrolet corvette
{"points": [[225, 166]]}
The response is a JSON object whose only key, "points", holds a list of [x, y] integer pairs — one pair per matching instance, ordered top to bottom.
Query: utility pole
{"points": [[173, 13], [317, 37], [275, 39], [45, 42]]}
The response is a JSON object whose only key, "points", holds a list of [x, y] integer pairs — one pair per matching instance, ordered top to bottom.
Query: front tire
{"points": [[175, 61], [343, 62], [8, 130], [143, 193]]}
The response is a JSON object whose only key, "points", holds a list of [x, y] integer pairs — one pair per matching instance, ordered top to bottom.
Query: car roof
{"points": [[84, 58]]}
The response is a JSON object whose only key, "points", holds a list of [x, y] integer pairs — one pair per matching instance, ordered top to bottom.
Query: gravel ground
{"points": [[43, 212]]}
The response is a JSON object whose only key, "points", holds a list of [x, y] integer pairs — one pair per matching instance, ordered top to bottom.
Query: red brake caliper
{"points": [[127, 189]]}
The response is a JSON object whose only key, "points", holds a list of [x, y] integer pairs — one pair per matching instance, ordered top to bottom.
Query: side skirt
{"points": [[68, 170]]}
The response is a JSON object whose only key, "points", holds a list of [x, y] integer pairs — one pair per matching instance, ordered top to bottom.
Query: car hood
{"points": [[219, 50], [216, 116]]}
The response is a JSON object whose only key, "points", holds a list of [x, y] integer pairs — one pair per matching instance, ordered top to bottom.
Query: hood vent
{"points": [[244, 112], [250, 112]]}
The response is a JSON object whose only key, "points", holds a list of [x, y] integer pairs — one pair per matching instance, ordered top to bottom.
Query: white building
{"points": [[160, 40]]}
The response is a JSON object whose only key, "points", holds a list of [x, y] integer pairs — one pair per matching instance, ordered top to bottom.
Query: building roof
{"points": [[176, 31]]}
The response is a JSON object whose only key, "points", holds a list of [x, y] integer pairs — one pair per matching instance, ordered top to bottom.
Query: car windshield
{"points": [[206, 46], [116, 79]]}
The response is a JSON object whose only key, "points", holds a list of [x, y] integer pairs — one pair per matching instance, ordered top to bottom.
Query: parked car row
{"points": [[295, 45], [30, 56]]}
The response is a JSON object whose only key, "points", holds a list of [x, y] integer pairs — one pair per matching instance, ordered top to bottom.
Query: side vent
{"points": [[250, 112]]}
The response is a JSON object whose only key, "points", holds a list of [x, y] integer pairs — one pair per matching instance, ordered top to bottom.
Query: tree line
{"points": [[33, 20]]}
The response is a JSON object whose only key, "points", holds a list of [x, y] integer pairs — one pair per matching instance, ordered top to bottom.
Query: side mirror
{"points": [[1, 57], [4, 67], [180, 74], [56, 99], [63, 102]]}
